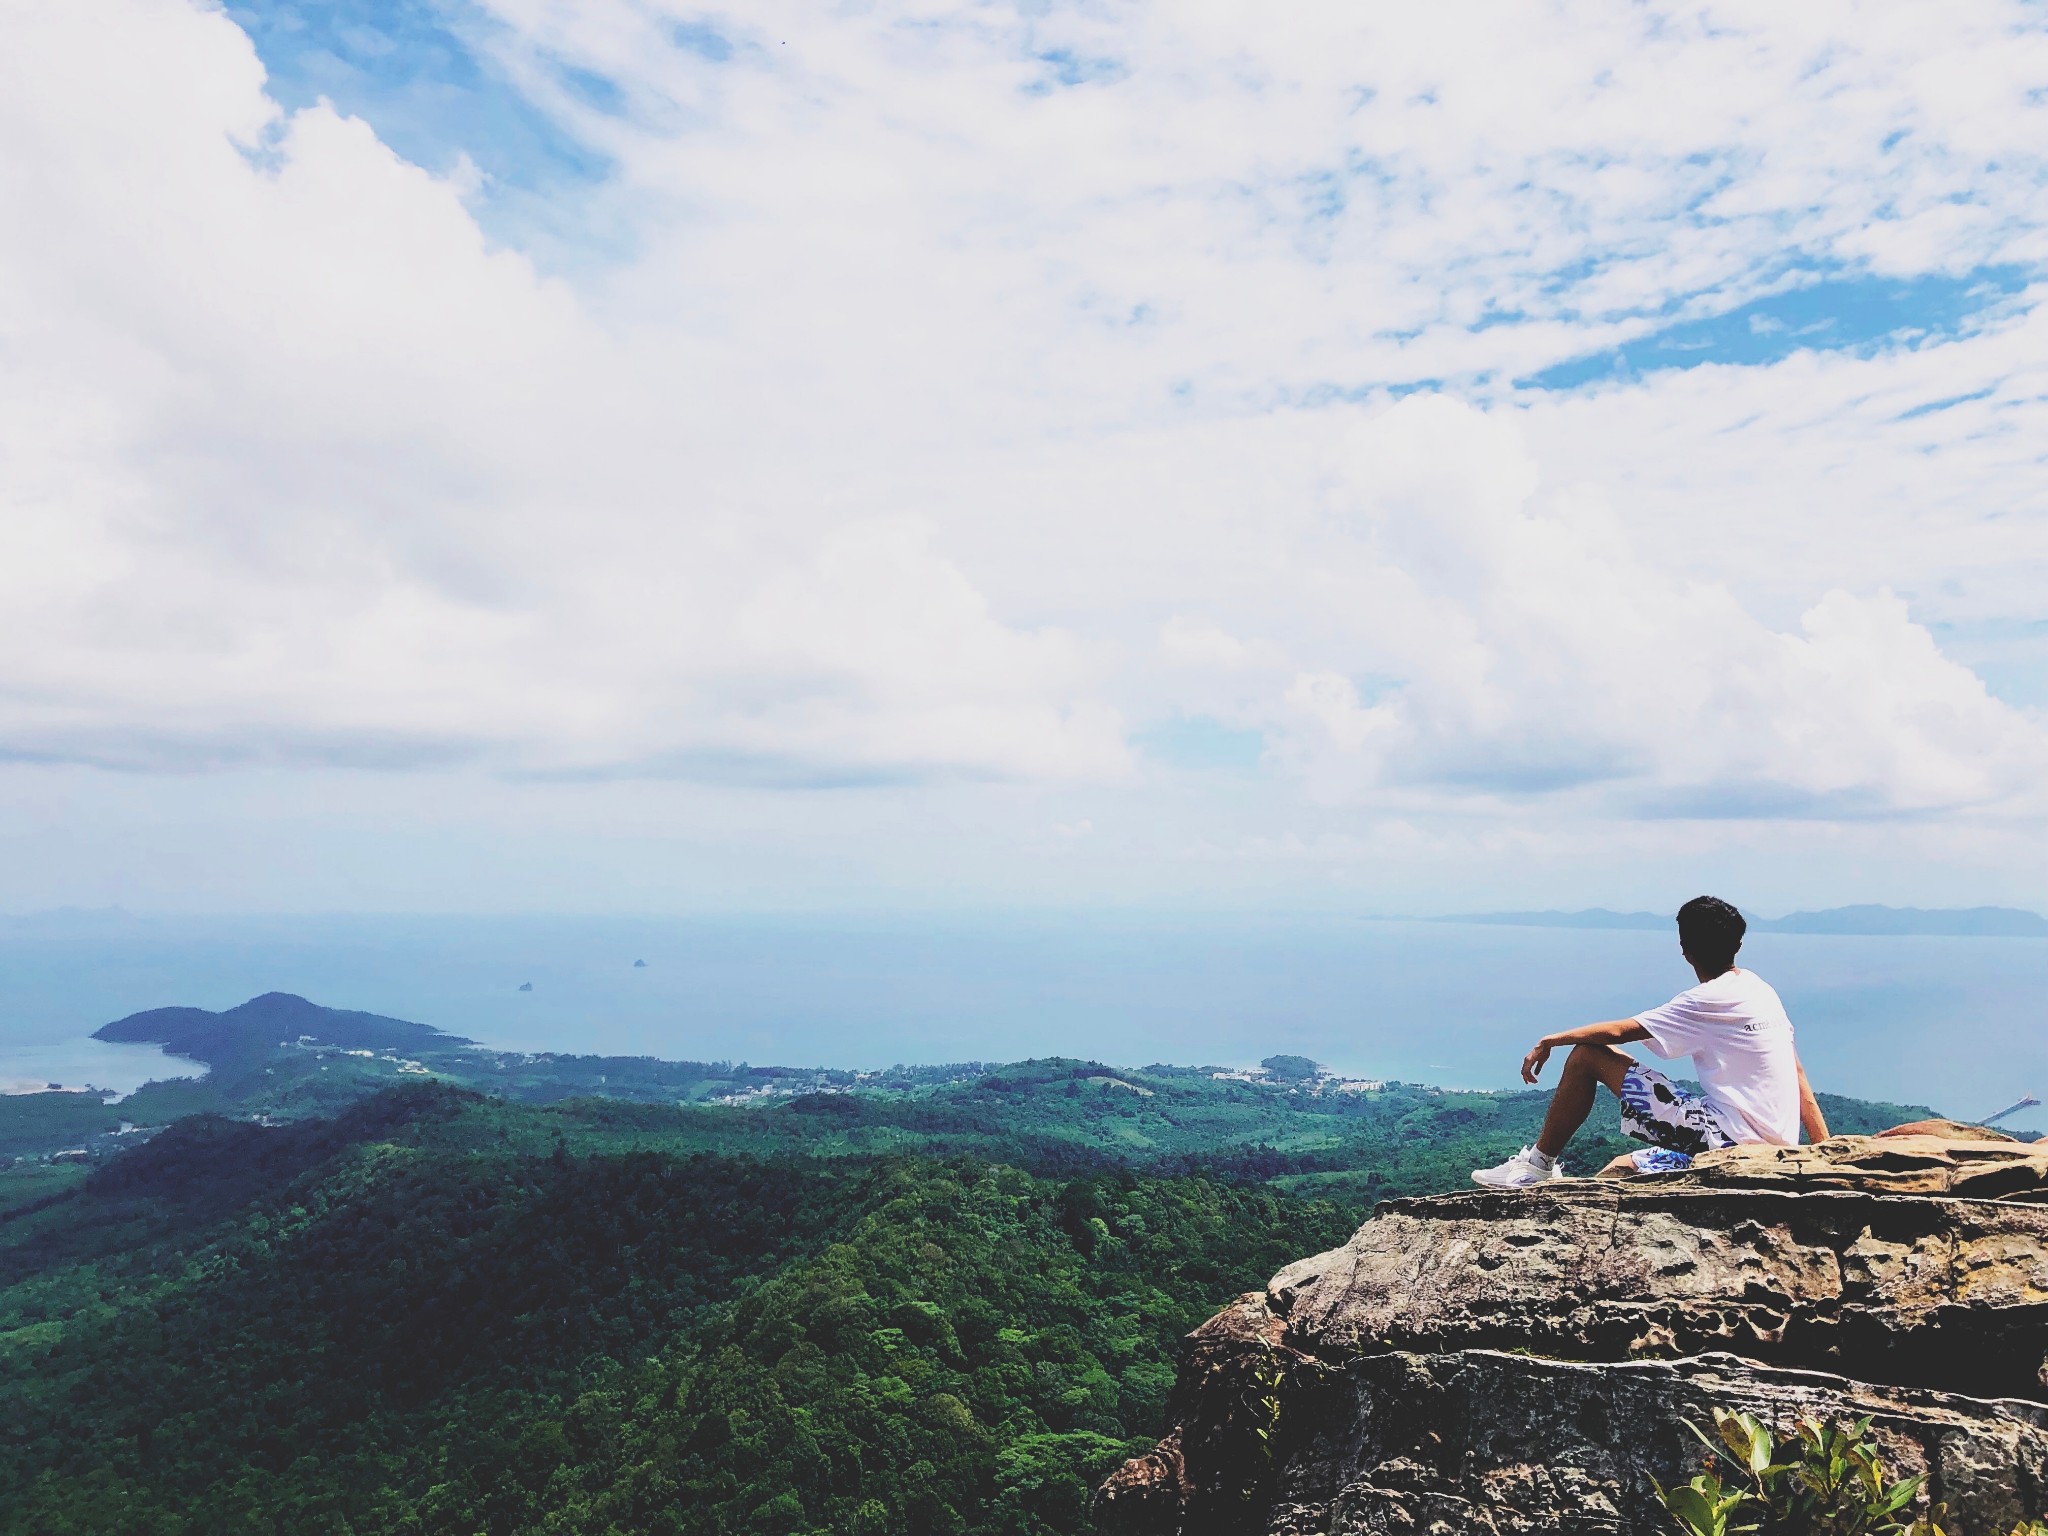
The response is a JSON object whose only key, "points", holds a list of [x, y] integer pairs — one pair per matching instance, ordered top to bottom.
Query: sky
{"points": [[512, 455]]}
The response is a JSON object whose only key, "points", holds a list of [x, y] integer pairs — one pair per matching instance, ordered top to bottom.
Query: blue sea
{"points": [[1952, 1022]]}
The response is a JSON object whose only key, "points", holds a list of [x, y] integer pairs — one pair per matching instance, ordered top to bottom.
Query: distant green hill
{"points": [[275, 1018], [280, 1057]]}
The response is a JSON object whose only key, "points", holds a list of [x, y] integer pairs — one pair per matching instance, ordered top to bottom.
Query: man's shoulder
{"points": [[1737, 982], [1753, 985], [1734, 1000], [1759, 1000]]}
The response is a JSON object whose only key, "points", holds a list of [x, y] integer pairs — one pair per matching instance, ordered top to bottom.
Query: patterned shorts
{"points": [[1657, 1110]]}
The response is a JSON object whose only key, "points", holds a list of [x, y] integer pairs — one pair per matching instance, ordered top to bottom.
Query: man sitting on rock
{"points": [[1735, 1030]]}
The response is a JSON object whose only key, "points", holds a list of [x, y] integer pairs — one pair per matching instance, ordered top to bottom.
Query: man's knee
{"points": [[1603, 1063]]}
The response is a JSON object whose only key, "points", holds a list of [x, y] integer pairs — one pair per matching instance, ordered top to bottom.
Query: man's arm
{"points": [[1613, 1032], [1812, 1123]]}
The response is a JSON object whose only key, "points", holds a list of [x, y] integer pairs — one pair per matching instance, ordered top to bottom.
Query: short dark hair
{"points": [[1710, 932]]}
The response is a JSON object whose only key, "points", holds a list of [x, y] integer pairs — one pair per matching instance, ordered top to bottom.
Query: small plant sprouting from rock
{"points": [[1267, 1377], [1828, 1480]]}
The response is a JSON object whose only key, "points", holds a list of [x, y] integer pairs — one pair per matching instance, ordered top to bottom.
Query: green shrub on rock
{"points": [[1828, 1480]]}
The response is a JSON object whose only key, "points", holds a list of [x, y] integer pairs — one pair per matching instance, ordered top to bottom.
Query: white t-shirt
{"points": [[1735, 1030]]}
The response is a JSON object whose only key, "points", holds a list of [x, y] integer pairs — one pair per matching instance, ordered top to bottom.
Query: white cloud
{"points": [[969, 385], [298, 467], [1192, 642], [1529, 648], [885, 652]]}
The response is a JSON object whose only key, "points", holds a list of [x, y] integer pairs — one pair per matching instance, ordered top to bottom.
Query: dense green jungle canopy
{"points": [[439, 1311]]}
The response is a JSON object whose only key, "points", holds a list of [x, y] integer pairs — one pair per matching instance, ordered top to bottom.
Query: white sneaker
{"points": [[1525, 1168]]}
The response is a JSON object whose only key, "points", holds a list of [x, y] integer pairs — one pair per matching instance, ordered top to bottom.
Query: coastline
{"points": [[85, 1065]]}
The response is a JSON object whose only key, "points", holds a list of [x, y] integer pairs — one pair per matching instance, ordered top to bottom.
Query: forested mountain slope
{"points": [[433, 1314]]}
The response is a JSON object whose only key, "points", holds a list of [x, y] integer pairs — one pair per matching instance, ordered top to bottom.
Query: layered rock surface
{"points": [[1522, 1362]]}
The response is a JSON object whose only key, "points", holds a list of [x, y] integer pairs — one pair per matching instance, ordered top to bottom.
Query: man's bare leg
{"points": [[1578, 1085]]}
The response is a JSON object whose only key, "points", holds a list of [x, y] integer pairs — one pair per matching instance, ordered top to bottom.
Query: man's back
{"points": [[1735, 1029]]}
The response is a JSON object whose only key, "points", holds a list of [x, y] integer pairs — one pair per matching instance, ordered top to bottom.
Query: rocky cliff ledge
{"points": [[1524, 1362]]}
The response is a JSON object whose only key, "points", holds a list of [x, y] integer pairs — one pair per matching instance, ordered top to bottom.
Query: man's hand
{"points": [[1613, 1032]]}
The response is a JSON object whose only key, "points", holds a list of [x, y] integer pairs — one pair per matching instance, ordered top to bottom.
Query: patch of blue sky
{"points": [[702, 39], [1064, 67], [417, 72], [593, 90], [1324, 196], [1567, 277], [1854, 312], [1498, 317], [1319, 396], [1949, 403], [2009, 655], [1198, 743]]}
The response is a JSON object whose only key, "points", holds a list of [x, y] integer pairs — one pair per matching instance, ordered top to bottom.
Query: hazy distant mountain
{"points": [[1592, 917], [61, 919], [1968, 922], [1983, 922], [254, 1027]]}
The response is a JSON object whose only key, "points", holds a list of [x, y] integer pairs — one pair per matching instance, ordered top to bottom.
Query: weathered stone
{"points": [[1948, 1130], [1894, 1163], [1886, 1288], [1519, 1362]]}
